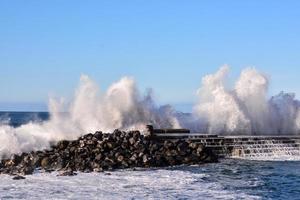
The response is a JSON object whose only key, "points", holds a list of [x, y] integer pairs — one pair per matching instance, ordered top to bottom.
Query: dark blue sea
{"points": [[16, 119], [228, 179]]}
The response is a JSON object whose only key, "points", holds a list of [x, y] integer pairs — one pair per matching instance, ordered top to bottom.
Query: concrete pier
{"points": [[240, 146]]}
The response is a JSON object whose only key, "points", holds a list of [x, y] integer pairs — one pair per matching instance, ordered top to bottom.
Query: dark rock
{"points": [[98, 135], [132, 141], [81, 143], [62, 144], [109, 145], [193, 145], [199, 149], [98, 157], [120, 158], [146, 158], [16, 159], [36, 161], [45, 162], [9, 163], [59, 163], [125, 164], [98, 169], [26, 170], [49, 170], [67, 173], [18, 177]]}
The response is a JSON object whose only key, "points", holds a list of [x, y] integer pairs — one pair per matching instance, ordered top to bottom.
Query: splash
{"points": [[120, 107], [219, 107], [245, 108], [241, 109]]}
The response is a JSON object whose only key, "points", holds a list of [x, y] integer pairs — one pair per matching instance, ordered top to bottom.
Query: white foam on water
{"points": [[148, 184]]}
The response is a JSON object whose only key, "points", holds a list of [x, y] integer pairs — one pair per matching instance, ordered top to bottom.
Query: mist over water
{"points": [[241, 109]]}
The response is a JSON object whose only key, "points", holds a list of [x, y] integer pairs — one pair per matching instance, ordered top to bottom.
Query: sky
{"points": [[165, 45]]}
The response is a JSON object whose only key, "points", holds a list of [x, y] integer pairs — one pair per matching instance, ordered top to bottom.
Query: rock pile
{"points": [[103, 152]]}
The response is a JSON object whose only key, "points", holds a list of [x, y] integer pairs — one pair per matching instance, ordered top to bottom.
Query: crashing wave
{"points": [[242, 109]]}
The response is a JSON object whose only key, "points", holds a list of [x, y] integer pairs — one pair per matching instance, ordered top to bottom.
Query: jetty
{"points": [[237, 146], [99, 152]]}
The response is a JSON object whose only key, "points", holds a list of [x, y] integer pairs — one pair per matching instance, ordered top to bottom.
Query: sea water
{"points": [[228, 179]]}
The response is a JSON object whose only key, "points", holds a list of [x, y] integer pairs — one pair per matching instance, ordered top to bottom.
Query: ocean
{"points": [[16, 119], [228, 179]]}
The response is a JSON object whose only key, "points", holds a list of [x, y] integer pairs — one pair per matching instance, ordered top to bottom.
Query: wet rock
{"points": [[98, 135], [132, 140], [62, 144], [193, 145], [199, 149], [98, 157], [120, 158], [16, 159], [146, 159], [36, 161], [45, 162], [9, 163], [59, 163], [98, 169], [26, 170], [67, 173], [18, 177]]}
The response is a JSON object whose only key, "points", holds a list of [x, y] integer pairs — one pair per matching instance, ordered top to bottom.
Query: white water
{"points": [[121, 106], [243, 108], [149, 184]]}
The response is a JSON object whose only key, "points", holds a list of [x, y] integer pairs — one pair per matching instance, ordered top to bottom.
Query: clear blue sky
{"points": [[167, 45]]}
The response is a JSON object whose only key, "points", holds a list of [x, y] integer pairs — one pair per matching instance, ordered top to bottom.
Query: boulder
{"points": [[18, 177]]}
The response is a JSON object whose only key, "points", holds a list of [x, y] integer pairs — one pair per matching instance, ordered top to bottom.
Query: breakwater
{"points": [[247, 147], [108, 151], [100, 152]]}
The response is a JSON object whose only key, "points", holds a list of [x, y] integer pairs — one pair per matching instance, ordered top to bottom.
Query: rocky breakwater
{"points": [[104, 152]]}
